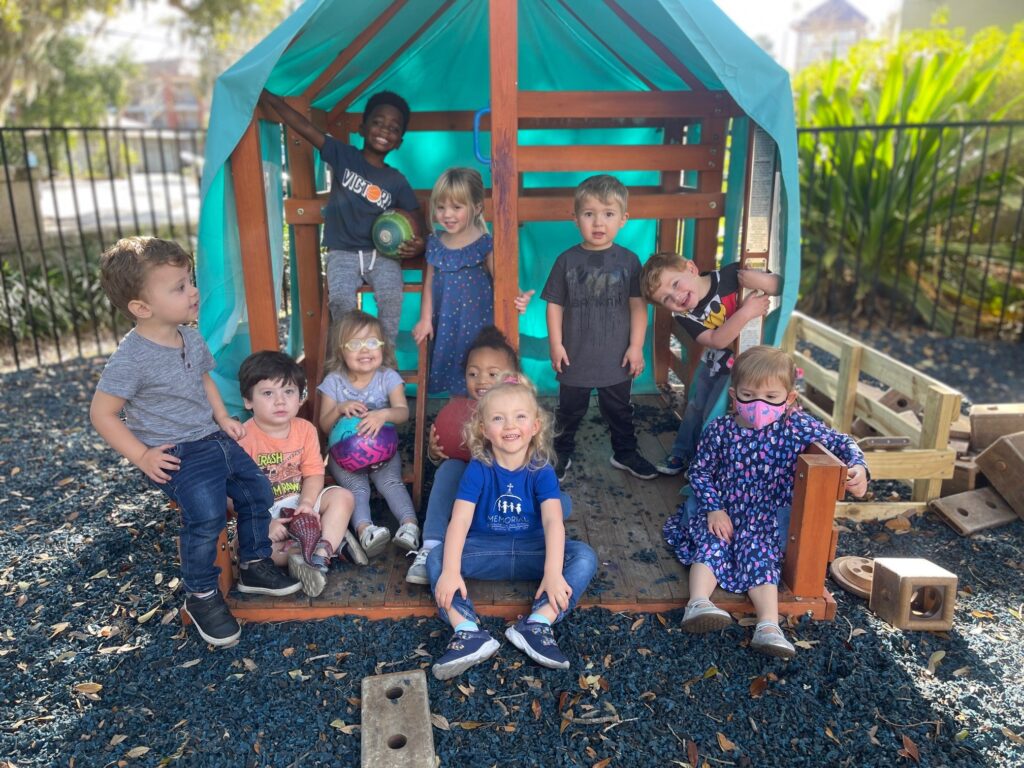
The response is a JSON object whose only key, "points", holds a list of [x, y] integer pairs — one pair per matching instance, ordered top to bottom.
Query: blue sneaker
{"points": [[672, 465], [537, 641], [466, 649]]}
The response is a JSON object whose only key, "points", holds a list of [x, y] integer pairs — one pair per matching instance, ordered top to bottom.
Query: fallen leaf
{"points": [[65, 481], [898, 524], [99, 575], [983, 614], [147, 615], [662, 619], [637, 624], [58, 628], [858, 632], [806, 644], [288, 652], [934, 659], [191, 663], [249, 664], [961, 671], [758, 686], [88, 688], [467, 690], [648, 696], [563, 699], [536, 709], [439, 721], [469, 725], [509, 727], [346, 729], [828, 732], [871, 735], [1011, 735], [117, 739], [724, 744], [910, 749], [691, 751], [136, 752], [603, 763]]}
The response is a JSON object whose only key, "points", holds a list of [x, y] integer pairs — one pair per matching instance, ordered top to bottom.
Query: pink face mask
{"points": [[760, 413]]}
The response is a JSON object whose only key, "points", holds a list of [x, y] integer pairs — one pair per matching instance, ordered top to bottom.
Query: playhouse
{"points": [[537, 94]]}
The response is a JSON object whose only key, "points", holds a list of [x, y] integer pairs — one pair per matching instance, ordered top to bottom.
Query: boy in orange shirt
{"points": [[287, 450]]}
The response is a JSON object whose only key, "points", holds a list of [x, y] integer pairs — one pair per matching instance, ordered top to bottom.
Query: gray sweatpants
{"points": [[348, 270], [387, 479]]}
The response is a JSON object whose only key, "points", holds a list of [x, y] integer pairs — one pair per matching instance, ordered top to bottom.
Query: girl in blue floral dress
{"points": [[458, 289], [742, 474]]}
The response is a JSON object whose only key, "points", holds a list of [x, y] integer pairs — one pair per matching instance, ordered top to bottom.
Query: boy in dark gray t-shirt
{"points": [[597, 320], [177, 430]]}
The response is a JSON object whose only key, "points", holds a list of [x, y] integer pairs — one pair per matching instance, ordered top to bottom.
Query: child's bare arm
{"points": [[294, 119], [759, 280], [424, 329], [726, 334], [559, 357], [634, 357], [330, 412], [105, 414], [220, 414], [311, 487], [451, 580], [553, 582]]}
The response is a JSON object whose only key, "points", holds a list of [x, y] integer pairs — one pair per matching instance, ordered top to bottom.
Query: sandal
{"points": [[408, 537], [374, 539], [321, 556], [702, 616], [769, 640]]}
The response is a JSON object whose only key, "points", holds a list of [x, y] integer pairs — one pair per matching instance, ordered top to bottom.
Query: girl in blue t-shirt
{"points": [[507, 526]]}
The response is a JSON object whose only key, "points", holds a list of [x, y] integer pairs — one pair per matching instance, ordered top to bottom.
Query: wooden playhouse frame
{"points": [[701, 206]]}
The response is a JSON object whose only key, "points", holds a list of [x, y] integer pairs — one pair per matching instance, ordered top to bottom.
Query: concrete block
{"points": [[991, 421], [1002, 463], [973, 511], [913, 594], [396, 729]]}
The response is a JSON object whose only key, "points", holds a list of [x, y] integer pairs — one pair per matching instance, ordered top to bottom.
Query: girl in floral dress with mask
{"points": [[742, 474]]}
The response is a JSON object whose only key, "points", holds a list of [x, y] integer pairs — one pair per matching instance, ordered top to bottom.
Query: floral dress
{"points": [[463, 304], [749, 473]]}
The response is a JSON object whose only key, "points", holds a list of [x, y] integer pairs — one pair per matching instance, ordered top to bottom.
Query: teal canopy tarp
{"points": [[447, 68]]}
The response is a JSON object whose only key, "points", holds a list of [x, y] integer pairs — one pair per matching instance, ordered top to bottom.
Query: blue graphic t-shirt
{"points": [[507, 501]]}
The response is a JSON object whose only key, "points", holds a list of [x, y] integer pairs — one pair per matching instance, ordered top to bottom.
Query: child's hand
{"points": [[412, 247], [522, 301], [756, 305], [424, 329], [559, 358], [634, 358], [352, 408], [371, 423], [233, 427], [434, 450], [156, 463], [857, 480], [305, 507], [720, 525], [278, 531], [447, 585], [557, 589]]}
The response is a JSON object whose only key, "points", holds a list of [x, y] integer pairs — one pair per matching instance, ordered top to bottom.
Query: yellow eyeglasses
{"points": [[354, 345]]}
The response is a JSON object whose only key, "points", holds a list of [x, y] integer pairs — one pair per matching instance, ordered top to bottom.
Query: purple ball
{"points": [[355, 453]]}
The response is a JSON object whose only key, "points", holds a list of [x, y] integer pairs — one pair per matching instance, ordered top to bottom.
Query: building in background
{"points": [[828, 31], [167, 95]]}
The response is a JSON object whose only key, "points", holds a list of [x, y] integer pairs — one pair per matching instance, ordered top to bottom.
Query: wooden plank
{"points": [[368, 33], [504, 36], [627, 104], [461, 121], [619, 157], [709, 182], [254, 239], [668, 242], [846, 387], [941, 407], [911, 464], [820, 478], [860, 511]]}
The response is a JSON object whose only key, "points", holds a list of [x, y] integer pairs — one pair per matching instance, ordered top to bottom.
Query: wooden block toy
{"points": [[899, 402], [991, 421], [961, 428], [962, 447], [1002, 463], [966, 477], [973, 511], [913, 593], [396, 730]]}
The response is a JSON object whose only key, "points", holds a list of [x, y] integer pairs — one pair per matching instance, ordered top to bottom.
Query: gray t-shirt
{"points": [[594, 288], [163, 387], [374, 395]]}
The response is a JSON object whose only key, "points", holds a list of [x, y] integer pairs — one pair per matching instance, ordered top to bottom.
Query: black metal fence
{"points": [[65, 194], [902, 224], [915, 224]]}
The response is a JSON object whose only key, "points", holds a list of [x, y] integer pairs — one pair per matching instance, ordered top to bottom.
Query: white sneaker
{"points": [[407, 537], [374, 539], [417, 573], [312, 579]]}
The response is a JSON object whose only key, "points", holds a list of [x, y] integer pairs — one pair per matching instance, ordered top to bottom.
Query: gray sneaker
{"points": [[417, 573], [312, 578]]}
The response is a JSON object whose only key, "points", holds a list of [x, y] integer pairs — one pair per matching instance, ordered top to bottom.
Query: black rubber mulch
{"points": [[87, 554]]}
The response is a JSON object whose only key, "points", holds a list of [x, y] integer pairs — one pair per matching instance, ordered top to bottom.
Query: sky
{"points": [[146, 33]]}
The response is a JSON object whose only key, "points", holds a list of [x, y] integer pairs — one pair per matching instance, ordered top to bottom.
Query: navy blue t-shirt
{"points": [[360, 192], [507, 501]]}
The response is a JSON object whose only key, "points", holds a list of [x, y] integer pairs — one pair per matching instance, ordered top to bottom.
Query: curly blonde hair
{"points": [[350, 324], [510, 383]]}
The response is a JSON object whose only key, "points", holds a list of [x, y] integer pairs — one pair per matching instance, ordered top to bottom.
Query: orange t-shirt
{"points": [[285, 460]]}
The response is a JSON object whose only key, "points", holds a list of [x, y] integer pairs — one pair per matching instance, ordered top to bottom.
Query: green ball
{"points": [[390, 230]]}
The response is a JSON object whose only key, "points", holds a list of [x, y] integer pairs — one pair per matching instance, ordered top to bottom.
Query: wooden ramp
{"points": [[619, 516]]}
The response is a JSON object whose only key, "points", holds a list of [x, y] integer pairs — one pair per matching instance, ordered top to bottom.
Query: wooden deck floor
{"points": [[619, 516]]}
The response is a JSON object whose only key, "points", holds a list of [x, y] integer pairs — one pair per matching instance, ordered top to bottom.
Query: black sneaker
{"points": [[562, 464], [636, 465], [262, 577], [212, 619], [537, 641], [465, 650]]}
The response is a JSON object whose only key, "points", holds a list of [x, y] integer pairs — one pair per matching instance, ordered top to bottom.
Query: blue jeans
{"points": [[703, 395], [213, 469], [442, 499], [782, 514], [509, 558]]}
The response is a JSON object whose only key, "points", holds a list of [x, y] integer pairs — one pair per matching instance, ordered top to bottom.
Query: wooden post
{"points": [[504, 36], [705, 237], [254, 239], [668, 241], [846, 387], [940, 409], [820, 482]]}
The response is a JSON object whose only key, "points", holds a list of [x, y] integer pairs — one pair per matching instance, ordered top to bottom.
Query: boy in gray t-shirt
{"points": [[596, 326], [177, 430]]}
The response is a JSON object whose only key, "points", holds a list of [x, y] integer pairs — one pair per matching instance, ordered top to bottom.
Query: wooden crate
{"points": [[927, 462]]}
